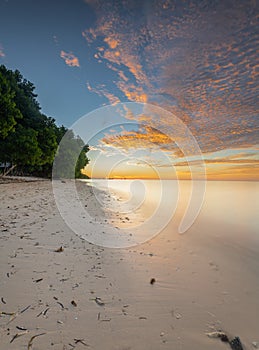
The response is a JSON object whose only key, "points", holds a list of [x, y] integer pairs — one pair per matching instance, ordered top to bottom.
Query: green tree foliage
{"points": [[9, 113], [28, 138], [21, 147], [71, 157], [82, 161]]}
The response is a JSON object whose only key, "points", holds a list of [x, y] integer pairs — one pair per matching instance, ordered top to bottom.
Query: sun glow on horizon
{"points": [[148, 142], [217, 170]]}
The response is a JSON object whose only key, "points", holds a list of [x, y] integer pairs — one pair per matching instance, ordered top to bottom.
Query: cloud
{"points": [[55, 39], [112, 42], [2, 54], [70, 59], [189, 60], [198, 62], [101, 91], [132, 92], [136, 117], [145, 138], [229, 158], [250, 162]]}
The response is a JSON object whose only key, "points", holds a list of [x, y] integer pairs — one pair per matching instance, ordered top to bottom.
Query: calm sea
{"points": [[146, 207]]}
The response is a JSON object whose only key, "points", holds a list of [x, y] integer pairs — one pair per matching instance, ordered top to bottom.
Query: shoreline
{"points": [[17, 179]]}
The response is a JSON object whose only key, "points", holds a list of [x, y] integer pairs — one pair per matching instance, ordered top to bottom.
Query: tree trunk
{"points": [[6, 172]]}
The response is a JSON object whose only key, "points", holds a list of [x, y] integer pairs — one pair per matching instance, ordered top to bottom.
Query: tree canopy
{"points": [[28, 138]]}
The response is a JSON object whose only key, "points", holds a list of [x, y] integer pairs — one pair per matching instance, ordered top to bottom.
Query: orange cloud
{"points": [[89, 35], [113, 43], [70, 59], [123, 76], [101, 91], [132, 92], [135, 96], [110, 97], [139, 117], [145, 138], [251, 162], [237, 165], [245, 172]]}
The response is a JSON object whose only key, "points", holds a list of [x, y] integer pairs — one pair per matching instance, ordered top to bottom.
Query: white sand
{"points": [[206, 279]]}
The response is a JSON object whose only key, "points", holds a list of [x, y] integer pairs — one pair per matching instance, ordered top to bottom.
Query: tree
{"points": [[9, 113], [28, 138], [23, 147], [71, 157], [82, 161]]}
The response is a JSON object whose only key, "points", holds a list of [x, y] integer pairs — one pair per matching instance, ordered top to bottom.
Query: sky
{"points": [[197, 60]]}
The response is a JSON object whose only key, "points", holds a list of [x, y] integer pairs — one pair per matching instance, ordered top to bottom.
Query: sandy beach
{"points": [[60, 292]]}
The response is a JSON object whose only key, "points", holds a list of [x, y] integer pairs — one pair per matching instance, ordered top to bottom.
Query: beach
{"points": [[58, 291]]}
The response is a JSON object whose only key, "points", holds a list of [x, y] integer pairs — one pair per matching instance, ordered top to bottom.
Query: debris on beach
{"points": [[59, 250], [38, 280], [152, 281], [3, 301], [99, 301], [73, 303], [61, 305], [25, 309], [6, 313], [43, 313], [12, 315], [177, 315], [21, 328], [218, 334], [18, 335], [81, 341], [235, 343], [29, 346]]}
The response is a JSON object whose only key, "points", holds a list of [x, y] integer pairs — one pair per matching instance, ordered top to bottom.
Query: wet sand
{"points": [[85, 296]]}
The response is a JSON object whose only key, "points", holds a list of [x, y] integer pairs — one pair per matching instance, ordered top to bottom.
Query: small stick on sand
{"points": [[18, 335], [31, 340]]}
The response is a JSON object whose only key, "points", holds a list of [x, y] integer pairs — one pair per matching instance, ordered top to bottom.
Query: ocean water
{"points": [[143, 208]]}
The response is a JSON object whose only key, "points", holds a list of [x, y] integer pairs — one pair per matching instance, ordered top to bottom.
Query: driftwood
{"points": [[6, 172]]}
